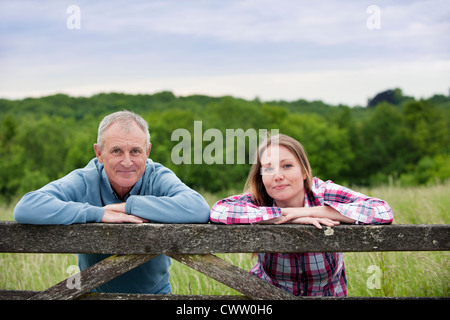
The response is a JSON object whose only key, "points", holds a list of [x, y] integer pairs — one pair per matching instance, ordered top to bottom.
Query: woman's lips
{"points": [[280, 187]]}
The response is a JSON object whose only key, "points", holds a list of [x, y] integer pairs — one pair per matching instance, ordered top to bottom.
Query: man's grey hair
{"points": [[126, 118]]}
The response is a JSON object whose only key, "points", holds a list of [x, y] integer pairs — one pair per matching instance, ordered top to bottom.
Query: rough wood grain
{"points": [[210, 238], [192, 244], [93, 277], [234, 277], [21, 295]]}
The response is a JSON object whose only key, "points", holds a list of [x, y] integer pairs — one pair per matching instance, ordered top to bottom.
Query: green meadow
{"points": [[383, 274]]}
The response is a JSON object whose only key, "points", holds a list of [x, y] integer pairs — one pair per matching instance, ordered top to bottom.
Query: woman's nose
{"points": [[278, 175]]}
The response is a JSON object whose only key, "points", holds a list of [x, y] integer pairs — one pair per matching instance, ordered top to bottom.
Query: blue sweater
{"points": [[79, 197]]}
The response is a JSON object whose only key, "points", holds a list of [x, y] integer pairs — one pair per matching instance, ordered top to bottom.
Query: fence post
{"points": [[93, 277]]}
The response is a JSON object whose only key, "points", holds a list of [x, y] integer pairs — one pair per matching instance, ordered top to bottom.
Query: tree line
{"points": [[393, 138]]}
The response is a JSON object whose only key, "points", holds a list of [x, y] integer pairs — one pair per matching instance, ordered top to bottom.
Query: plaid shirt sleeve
{"points": [[352, 204], [240, 209]]}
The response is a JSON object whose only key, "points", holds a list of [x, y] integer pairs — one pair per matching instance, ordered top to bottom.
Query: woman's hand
{"points": [[312, 215], [296, 216], [299, 217], [302, 220], [314, 221]]}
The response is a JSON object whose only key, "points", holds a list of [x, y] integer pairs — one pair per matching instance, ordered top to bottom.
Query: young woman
{"points": [[281, 189]]}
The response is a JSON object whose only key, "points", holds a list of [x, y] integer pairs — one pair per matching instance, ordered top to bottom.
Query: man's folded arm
{"points": [[171, 201], [60, 202], [40, 207], [186, 207]]}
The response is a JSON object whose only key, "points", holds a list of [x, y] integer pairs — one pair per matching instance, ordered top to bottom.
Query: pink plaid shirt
{"points": [[307, 274]]}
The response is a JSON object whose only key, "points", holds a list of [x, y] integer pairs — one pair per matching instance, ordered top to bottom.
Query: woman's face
{"points": [[283, 177]]}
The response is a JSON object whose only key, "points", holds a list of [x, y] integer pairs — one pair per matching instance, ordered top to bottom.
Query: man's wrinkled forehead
{"points": [[118, 133]]}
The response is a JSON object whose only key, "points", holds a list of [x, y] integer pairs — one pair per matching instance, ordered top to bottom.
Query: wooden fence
{"points": [[131, 245]]}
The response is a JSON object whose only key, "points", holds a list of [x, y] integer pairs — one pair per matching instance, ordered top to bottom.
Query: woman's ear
{"points": [[304, 175]]}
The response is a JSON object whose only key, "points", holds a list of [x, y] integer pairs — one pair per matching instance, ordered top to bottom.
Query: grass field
{"points": [[368, 274]]}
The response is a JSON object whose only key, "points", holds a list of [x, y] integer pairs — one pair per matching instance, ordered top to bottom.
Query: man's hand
{"points": [[115, 213]]}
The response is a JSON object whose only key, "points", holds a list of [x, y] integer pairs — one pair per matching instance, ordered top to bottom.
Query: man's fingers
{"points": [[119, 207], [111, 216], [139, 219]]}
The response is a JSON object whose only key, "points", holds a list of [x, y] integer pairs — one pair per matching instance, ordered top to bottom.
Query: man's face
{"points": [[124, 156]]}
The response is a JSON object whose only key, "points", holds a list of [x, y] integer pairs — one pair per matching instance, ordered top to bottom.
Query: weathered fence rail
{"points": [[193, 244]]}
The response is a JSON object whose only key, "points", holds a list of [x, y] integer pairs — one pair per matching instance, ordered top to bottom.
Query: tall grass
{"points": [[368, 274]]}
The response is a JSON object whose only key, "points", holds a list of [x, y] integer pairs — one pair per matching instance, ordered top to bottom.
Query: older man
{"points": [[120, 185]]}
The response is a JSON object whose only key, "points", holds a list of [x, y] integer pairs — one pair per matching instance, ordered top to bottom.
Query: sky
{"points": [[340, 52]]}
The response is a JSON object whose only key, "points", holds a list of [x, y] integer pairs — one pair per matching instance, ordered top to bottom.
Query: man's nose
{"points": [[126, 160]]}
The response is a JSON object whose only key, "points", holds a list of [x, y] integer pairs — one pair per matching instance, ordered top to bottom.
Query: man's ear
{"points": [[98, 153]]}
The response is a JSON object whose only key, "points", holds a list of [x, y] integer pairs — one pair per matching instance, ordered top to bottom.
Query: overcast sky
{"points": [[336, 51]]}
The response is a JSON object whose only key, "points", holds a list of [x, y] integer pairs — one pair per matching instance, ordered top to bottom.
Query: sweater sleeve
{"points": [[166, 199], [59, 202], [352, 204], [240, 209]]}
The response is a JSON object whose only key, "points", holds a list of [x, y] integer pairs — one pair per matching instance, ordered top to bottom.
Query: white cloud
{"points": [[272, 49], [349, 87]]}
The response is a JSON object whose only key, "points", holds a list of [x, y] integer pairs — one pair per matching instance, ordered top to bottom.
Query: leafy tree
{"points": [[426, 127], [42, 139], [45, 145], [327, 145], [383, 147], [10, 158]]}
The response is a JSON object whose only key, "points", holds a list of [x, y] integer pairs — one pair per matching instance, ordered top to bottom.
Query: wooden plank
{"points": [[150, 238], [93, 277], [234, 277], [16, 294], [25, 294], [22, 295], [123, 296]]}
